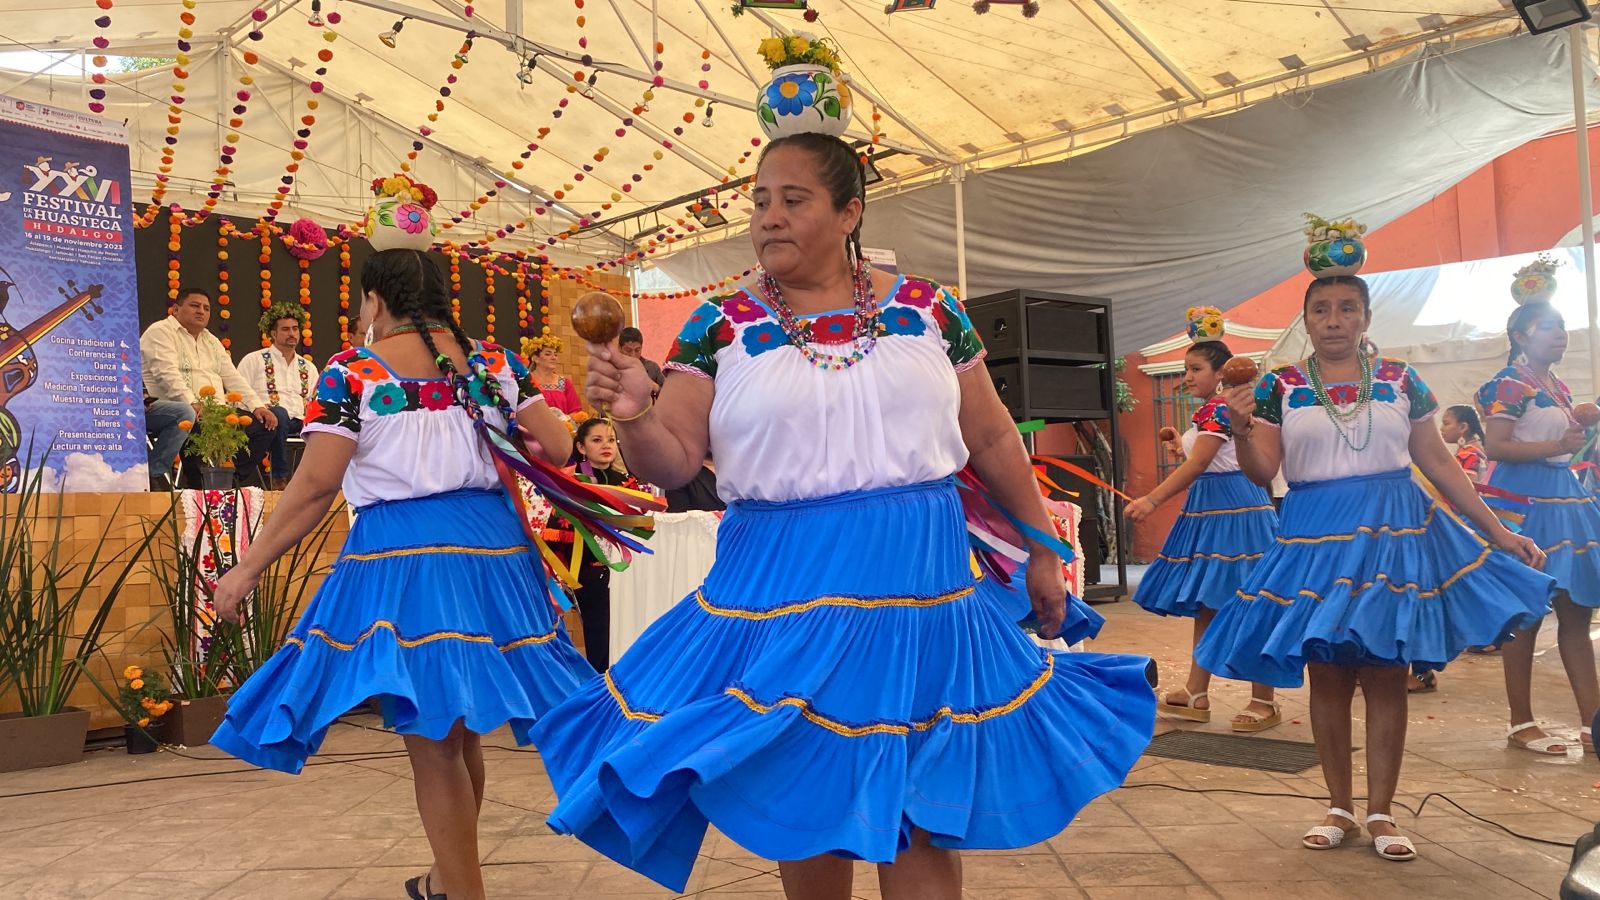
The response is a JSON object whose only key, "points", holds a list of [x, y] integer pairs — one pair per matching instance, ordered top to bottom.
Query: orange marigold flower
{"points": [[208, 391], [234, 397]]}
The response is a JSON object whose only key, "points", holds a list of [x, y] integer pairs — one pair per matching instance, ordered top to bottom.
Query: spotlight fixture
{"points": [[316, 14], [1549, 15], [393, 34], [525, 74], [588, 88], [707, 120], [707, 214]]}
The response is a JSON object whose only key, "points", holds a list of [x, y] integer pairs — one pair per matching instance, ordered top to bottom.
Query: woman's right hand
{"points": [[617, 382], [1241, 404], [1573, 439], [1140, 509]]}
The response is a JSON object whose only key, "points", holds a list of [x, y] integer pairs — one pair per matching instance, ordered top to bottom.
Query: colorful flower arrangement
{"points": [[799, 49], [404, 187], [1320, 229], [306, 240], [1535, 281], [282, 310], [1205, 323], [531, 346], [220, 434], [143, 698]]}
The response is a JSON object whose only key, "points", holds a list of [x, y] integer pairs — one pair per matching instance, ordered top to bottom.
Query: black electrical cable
{"points": [[1414, 812]]}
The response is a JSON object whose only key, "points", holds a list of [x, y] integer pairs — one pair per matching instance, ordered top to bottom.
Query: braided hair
{"points": [[842, 171], [414, 291], [1524, 318], [1215, 353], [1468, 416]]}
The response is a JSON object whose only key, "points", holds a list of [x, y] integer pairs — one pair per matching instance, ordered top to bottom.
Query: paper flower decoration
{"points": [[306, 240], [1536, 281], [1205, 323]]}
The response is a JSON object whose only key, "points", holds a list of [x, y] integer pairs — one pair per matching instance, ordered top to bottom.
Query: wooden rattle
{"points": [[597, 317], [1238, 370], [1586, 414]]}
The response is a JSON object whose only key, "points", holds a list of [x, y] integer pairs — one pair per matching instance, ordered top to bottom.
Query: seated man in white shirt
{"points": [[180, 357], [285, 379]]}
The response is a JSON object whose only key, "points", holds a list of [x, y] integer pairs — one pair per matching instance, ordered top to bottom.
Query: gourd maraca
{"points": [[597, 317], [1238, 370], [1586, 414], [1167, 433]]}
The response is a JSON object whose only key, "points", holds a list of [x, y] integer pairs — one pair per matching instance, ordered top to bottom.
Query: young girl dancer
{"points": [[1226, 525]]}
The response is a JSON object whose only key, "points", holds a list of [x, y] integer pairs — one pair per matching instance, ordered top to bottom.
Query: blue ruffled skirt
{"points": [[1564, 521], [1226, 526], [1369, 571], [437, 606], [838, 680]]}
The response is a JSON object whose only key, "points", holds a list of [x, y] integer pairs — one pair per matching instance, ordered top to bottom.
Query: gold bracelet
{"points": [[638, 415]]}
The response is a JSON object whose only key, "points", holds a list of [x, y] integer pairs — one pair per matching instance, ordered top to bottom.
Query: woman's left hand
{"points": [[1140, 509], [1521, 548], [1047, 591], [228, 597]]}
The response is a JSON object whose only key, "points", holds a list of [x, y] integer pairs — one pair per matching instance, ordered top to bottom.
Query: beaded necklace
{"points": [[863, 336], [1549, 383], [1337, 416]]}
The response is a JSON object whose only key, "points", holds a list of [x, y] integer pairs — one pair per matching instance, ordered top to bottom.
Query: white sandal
{"points": [[1185, 711], [1254, 721], [1544, 746], [1333, 834], [1382, 843]]}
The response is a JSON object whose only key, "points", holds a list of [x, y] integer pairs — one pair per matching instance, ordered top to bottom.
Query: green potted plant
{"points": [[218, 436], [53, 613], [142, 700]]}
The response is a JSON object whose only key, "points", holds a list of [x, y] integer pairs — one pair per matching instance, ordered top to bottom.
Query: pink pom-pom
{"points": [[259, 14], [334, 18], [316, 87], [97, 107]]}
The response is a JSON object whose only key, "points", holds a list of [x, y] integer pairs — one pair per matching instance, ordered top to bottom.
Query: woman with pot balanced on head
{"points": [[1368, 577], [841, 687]]}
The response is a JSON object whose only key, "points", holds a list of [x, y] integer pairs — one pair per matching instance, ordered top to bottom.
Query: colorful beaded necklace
{"points": [[863, 336], [300, 365], [1547, 382], [1336, 415]]}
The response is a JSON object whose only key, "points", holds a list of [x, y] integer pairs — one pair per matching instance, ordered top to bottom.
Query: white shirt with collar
{"points": [[177, 365], [280, 382]]}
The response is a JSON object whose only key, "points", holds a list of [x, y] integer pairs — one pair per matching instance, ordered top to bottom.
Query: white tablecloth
{"points": [[684, 545]]}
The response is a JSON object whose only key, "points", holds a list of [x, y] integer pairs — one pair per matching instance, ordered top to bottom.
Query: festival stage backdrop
{"points": [[69, 325]]}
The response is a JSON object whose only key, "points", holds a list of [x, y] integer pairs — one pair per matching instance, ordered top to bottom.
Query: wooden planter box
{"points": [[192, 722], [33, 742]]}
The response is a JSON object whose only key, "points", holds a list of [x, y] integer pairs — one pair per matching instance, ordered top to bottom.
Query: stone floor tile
{"points": [[1106, 839], [1091, 870], [276, 884]]}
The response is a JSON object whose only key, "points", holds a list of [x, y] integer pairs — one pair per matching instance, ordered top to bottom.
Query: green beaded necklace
{"points": [[1337, 416]]}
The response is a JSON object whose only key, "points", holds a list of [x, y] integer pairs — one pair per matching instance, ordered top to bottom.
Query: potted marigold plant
{"points": [[807, 91], [218, 438], [143, 700]]}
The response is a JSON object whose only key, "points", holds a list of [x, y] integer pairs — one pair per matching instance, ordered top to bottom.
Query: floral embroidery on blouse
{"points": [[916, 308], [355, 379], [1391, 379], [1507, 396], [1212, 418]]}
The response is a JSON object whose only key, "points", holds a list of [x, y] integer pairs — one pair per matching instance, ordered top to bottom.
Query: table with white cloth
{"points": [[682, 550]]}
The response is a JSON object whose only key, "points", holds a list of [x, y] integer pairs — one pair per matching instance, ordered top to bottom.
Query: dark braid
{"points": [[840, 168], [414, 290], [1215, 353], [1468, 416]]}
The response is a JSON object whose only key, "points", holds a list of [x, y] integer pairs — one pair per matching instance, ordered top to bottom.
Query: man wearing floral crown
{"points": [[285, 378]]}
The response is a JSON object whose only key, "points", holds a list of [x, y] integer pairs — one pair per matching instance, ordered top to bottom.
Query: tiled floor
{"points": [[117, 826]]}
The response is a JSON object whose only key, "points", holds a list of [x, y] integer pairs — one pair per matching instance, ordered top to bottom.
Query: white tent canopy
{"points": [[955, 88], [1449, 321]]}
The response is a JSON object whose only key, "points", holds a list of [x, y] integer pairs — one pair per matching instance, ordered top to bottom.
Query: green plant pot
{"points": [[216, 478], [193, 722], [34, 742]]}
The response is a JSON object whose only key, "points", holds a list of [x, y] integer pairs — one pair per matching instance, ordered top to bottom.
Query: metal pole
{"points": [[1580, 112], [960, 173]]}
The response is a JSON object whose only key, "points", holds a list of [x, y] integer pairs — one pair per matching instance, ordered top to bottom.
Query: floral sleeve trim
{"points": [[707, 331], [960, 339], [974, 362], [528, 392], [1269, 396], [1505, 396], [1423, 402], [336, 407], [1212, 418]]}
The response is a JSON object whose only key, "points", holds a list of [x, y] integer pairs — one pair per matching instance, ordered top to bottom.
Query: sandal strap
{"points": [[1523, 727], [1543, 745], [1341, 813], [1380, 817]]}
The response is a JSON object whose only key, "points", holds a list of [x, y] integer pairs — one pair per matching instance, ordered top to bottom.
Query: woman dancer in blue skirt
{"points": [[1531, 438], [1226, 525], [1367, 577], [437, 603], [840, 687]]}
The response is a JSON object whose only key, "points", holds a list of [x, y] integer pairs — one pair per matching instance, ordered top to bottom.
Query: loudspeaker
{"points": [[1048, 353]]}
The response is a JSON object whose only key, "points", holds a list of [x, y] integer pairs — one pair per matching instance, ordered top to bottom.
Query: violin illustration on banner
{"points": [[19, 366]]}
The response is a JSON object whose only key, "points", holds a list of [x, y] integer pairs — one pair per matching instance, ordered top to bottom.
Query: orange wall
{"points": [[1524, 201]]}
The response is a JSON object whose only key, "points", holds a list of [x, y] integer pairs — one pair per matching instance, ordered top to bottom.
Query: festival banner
{"points": [[69, 315]]}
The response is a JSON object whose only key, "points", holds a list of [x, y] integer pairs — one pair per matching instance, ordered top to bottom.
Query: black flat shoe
{"points": [[421, 888]]}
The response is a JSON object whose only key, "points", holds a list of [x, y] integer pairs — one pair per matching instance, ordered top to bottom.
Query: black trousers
{"points": [[594, 605]]}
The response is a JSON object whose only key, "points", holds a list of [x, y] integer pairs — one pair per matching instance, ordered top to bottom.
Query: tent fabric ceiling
{"points": [[989, 91], [1210, 211]]}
